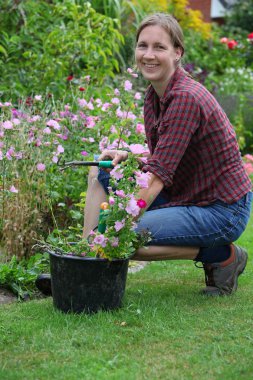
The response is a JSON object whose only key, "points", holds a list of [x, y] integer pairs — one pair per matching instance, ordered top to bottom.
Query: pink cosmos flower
{"points": [[250, 36], [132, 73], [128, 85], [116, 92], [137, 96], [38, 98], [115, 100], [82, 102], [105, 106], [16, 121], [90, 122], [8, 124], [54, 124], [140, 128], [60, 149], [138, 149], [10, 153], [84, 153], [249, 157], [55, 159], [41, 167], [249, 168], [116, 172], [142, 179], [13, 189], [120, 193], [111, 201], [132, 208], [119, 225], [100, 240], [115, 242]]}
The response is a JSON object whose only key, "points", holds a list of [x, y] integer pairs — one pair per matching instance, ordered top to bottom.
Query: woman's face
{"points": [[155, 56]]}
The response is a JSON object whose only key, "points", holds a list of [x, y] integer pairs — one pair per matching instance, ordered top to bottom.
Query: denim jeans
{"points": [[201, 226]]}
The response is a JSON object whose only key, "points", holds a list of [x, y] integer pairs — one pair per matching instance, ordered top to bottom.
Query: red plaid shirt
{"points": [[193, 146]]}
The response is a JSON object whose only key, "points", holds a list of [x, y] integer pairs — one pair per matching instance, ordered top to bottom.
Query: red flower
{"points": [[250, 36], [232, 44], [70, 78], [81, 89], [141, 203]]}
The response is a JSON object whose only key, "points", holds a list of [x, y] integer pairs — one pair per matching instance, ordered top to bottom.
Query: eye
{"points": [[141, 45]]}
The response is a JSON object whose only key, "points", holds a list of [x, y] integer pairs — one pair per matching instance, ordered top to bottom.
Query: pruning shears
{"points": [[100, 164]]}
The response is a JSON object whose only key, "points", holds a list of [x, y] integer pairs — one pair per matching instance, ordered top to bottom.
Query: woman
{"points": [[201, 190], [199, 198]]}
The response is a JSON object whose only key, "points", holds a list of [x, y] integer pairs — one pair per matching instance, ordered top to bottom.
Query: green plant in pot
{"points": [[90, 274]]}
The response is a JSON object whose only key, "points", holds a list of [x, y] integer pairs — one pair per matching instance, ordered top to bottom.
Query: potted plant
{"points": [[91, 274]]}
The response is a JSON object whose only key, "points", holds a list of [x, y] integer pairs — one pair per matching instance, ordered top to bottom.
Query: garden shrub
{"points": [[48, 42]]}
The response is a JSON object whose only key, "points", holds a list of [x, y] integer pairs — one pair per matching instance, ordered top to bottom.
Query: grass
{"points": [[165, 330]]}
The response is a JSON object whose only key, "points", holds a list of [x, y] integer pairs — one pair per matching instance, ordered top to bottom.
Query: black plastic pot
{"points": [[86, 284]]}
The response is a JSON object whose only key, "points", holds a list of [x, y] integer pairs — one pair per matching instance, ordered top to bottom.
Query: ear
{"points": [[179, 53]]}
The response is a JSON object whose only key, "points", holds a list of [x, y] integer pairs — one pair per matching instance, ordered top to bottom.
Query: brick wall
{"points": [[202, 5]]}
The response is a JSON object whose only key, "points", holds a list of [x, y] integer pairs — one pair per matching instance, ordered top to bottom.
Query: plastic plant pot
{"points": [[86, 284]]}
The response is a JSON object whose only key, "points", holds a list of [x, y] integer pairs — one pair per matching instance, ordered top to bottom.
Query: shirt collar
{"points": [[178, 74]]}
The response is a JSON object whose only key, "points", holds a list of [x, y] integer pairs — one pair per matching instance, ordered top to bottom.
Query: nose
{"points": [[149, 53]]}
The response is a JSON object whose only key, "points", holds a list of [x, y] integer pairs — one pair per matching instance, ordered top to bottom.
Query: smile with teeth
{"points": [[150, 65]]}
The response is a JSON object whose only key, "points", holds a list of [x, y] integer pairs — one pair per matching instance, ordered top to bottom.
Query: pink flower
{"points": [[250, 36], [224, 40], [132, 73], [70, 78], [128, 85], [81, 89], [116, 92], [137, 96], [38, 98], [115, 100], [82, 102], [105, 106], [16, 121], [7, 124], [54, 124], [140, 128], [47, 131], [60, 149], [138, 149], [10, 153], [84, 153], [1, 155], [249, 157], [55, 159], [41, 167], [249, 168], [117, 172], [142, 179], [13, 189], [120, 193], [111, 201], [141, 203], [132, 208], [119, 225], [100, 240], [115, 242]]}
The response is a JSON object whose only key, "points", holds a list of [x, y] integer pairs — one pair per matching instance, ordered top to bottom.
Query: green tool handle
{"points": [[105, 164]]}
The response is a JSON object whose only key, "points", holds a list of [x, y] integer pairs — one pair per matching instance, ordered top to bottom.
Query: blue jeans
{"points": [[201, 226]]}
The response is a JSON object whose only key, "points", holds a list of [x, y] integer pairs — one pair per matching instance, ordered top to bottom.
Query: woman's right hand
{"points": [[116, 156]]}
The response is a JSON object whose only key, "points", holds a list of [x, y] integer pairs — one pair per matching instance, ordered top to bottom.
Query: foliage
{"points": [[240, 16], [49, 42], [36, 134], [19, 276]]}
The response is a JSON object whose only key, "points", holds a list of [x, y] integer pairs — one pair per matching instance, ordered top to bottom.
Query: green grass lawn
{"points": [[165, 330]]}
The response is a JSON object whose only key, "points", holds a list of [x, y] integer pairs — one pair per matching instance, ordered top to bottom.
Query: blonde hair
{"points": [[169, 24]]}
